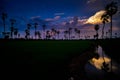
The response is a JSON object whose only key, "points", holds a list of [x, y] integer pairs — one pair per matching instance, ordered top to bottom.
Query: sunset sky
{"points": [[56, 13]]}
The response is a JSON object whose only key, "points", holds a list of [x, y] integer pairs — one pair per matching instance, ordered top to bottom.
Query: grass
{"points": [[45, 50], [41, 57]]}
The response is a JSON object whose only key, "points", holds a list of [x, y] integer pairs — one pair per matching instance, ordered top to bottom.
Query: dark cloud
{"points": [[96, 5], [59, 14], [37, 19]]}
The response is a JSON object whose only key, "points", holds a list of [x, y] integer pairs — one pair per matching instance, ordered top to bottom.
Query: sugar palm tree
{"points": [[111, 9], [4, 16], [104, 19], [35, 26], [12, 27], [44, 27], [28, 28], [96, 29], [75, 30], [69, 31], [53, 32], [58, 32], [16, 33], [27, 33], [39, 34], [48, 34], [65, 34], [78, 34], [116, 35]]}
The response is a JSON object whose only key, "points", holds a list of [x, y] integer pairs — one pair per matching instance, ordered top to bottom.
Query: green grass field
{"points": [[45, 50], [43, 58]]}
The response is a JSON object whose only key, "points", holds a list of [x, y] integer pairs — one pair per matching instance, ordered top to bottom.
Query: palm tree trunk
{"points": [[4, 26], [111, 27], [103, 30], [4, 33], [35, 33], [29, 34], [43, 34], [97, 34], [11, 35], [69, 35], [58, 36], [79, 36], [111, 38], [103, 56]]}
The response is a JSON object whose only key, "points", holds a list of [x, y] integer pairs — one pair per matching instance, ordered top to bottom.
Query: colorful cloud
{"points": [[96, 18]]}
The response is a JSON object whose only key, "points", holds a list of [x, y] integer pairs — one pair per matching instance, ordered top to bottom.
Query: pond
{"points": [[93, 68]]}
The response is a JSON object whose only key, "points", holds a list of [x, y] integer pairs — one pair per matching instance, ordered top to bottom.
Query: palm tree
{"points": [[111, 9], [4, 16], [104, 19], [35, 26], [12, 27], [44, 27], [28, 28], [96, 29], [75, 30], [11, 31], [69, 31], [15, 32], [58, 32], [27, 33], [53, 33], [39, 34], [48, 34], [65, 34], [78, 34], [106, 34], [19, 35], [115, 35]]}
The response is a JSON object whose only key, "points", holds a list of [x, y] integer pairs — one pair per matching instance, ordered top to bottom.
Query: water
{"points": [[94, 65]]}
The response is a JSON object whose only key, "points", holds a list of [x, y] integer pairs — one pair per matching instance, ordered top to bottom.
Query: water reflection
{"points": [[97, 63]]}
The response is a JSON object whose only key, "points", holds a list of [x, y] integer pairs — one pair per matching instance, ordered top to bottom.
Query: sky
{"points": [[83, 14]]}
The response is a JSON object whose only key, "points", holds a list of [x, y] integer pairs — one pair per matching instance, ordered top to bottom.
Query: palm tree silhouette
{"points": [[111, 9], [4, 16], [104, 19], [35, 26], [12, 27], [44, 27], [28, 28], [96, 29], [69, 31], [54, 32], [58, 32], [16, 33], [27, 33], [39, 34], [48, 34], [65, 34], [78, 34], [19, 35], [115, 35]]}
